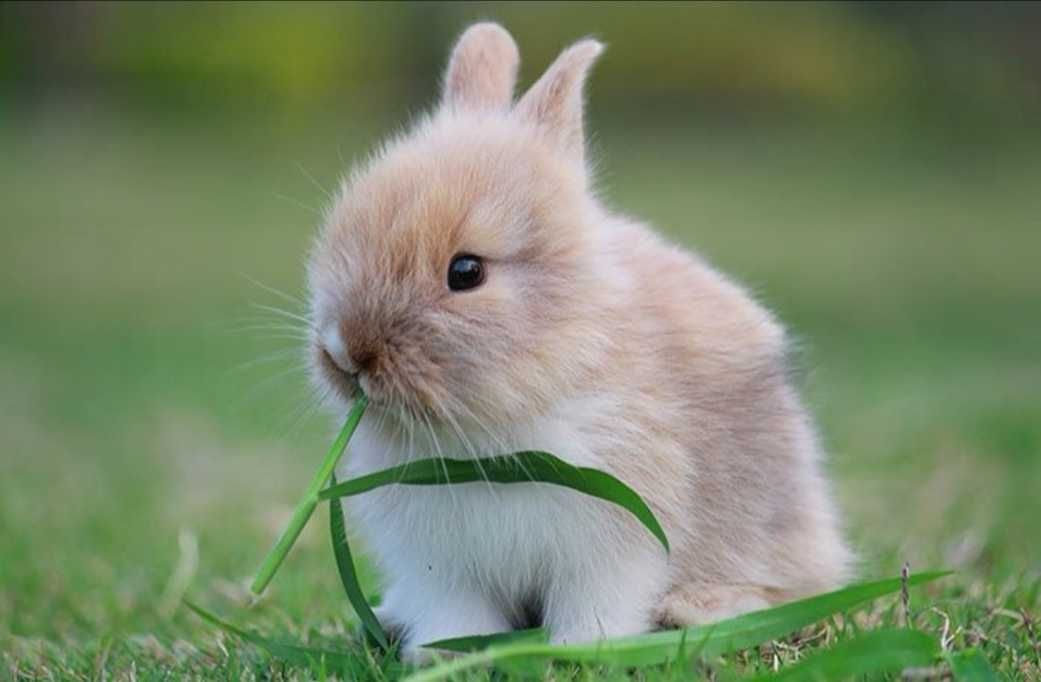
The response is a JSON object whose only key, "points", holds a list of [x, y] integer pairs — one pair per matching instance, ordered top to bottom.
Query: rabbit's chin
{"points": [[411, 433]]}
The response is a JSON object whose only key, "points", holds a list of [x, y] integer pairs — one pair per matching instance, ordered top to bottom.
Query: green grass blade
{"points": [[521, 467], [306, 506], [348, 576], [478, 642], [661, 647], [874, 653], [311, 658], [972, 666]]}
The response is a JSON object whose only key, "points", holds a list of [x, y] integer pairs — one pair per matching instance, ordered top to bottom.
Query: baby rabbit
{"points": [[469, 280]]}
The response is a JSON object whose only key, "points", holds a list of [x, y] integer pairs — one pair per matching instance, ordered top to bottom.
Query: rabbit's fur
{"points": [[591, 338]]}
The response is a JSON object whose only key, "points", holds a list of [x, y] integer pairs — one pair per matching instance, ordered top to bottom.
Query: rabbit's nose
{"points": [[362, 349], [364, 358]]}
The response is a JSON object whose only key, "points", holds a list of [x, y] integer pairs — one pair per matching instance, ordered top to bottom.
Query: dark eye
{"points": [[465, 272]]}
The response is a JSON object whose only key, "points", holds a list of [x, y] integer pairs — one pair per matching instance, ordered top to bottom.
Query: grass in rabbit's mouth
{"points": [[305, 508], [880, 651]]}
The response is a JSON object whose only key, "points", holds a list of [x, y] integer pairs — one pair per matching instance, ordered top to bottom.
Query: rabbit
{"points": [[470, 281]]}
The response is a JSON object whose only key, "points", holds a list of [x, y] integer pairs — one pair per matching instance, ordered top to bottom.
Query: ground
{"points": [[155, 432]]}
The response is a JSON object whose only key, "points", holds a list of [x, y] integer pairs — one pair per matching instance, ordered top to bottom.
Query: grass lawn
{"points": [[155, 429]]}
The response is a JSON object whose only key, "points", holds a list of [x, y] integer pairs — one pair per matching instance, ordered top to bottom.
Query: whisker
{"points": [[327, 193], [299, 204], [272, 290], [284, 313], [248, 323], [274, 324], [270, 326], [299, 343], [275, 356], [298, 372], [254, 393], [310, 407], [412, 419], [379, 422], [399, 429], [497, 440], [465, 442], [501, 444], [440, 455], [520, 465]]}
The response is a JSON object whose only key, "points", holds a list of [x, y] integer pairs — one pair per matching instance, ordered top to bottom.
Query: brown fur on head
{"points": [[480, 177]]}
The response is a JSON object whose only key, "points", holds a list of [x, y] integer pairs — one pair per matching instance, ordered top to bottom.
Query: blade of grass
{"points": [[521, 467], [307, 505], [348, 576], [478, 642], [661, 647], [880, 651], [311, 658], [972, 666]]}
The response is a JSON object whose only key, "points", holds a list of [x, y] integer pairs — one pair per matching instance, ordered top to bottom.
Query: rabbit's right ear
{"points": [[483, 69], [554, 102]]}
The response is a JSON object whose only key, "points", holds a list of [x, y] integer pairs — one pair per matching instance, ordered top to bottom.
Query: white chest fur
{"points": [[513, 549]]}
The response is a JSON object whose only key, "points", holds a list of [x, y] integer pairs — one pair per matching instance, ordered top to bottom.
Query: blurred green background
{"points": [[871, 171]]}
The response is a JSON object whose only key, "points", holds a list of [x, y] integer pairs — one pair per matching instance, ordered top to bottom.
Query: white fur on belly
{"points": [[471, 558]]}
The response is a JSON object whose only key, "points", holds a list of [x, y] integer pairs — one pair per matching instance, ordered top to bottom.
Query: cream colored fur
{"points": [[591, 338]]}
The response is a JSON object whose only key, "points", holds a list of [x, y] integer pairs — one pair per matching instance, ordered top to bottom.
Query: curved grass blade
{"points": [[521, 467], [306, 506], [348, 576], [478, 642], [661, 647], [881, 651], [311, 658], [972, 666]]}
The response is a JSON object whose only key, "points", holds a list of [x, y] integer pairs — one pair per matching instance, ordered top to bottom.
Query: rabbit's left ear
{"points": [[483, 69], [554, 102]]}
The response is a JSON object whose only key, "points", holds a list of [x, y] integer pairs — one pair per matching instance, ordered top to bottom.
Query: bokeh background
{"points": [[871, 171]]}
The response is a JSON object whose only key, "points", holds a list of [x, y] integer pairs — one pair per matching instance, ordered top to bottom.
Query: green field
{"points": [[156, 431]]}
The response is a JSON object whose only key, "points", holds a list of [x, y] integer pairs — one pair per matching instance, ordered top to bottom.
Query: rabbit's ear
{"points": [[483, 69], [554, 102]]}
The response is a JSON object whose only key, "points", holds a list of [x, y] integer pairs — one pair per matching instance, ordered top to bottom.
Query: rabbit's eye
{"points": [[465, 272]]}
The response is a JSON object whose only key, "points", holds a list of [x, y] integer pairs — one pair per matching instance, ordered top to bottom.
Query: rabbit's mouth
{"points": [[344, 382]]}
